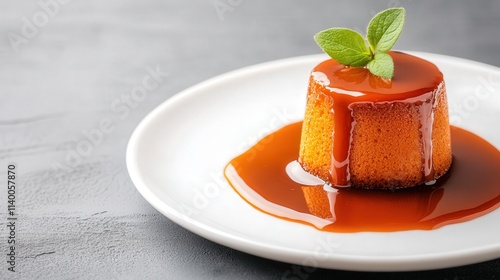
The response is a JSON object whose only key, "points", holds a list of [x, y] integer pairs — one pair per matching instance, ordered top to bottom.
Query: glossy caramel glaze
{"points": [[470, 189]]}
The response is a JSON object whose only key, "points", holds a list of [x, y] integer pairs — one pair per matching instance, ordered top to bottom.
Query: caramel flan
{"points": [[366, 131]]}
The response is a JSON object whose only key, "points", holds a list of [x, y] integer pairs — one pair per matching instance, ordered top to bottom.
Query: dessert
{"points": [[374, 118], [365, 131]]}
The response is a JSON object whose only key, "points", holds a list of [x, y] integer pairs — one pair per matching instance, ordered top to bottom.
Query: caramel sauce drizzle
{"points": [[415, 80]]}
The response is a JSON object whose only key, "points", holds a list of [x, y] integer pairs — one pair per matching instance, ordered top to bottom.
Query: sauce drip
{"points": [[415, 80], [471, 188]]}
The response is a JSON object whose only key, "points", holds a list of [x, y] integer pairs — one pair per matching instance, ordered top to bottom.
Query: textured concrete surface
{"points": [[65, 67]]}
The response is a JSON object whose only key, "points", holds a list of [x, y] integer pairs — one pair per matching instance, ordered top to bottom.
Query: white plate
{"points": [[177, 154]]}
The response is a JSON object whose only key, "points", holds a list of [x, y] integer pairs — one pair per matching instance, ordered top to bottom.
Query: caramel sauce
{"points": [[415, 80], [470, 189]]}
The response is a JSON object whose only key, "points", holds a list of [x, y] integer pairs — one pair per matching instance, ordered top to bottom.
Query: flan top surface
{"points": [[413, 77]]}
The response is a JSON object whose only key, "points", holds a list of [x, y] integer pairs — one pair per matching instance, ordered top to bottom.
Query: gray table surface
{"points": [[64, 65]]}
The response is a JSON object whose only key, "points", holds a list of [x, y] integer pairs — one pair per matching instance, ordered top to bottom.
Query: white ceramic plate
{"points": [[177, 154]]}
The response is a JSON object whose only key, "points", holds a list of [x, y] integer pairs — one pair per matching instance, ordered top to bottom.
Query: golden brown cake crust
{"points": [[386, 145]]}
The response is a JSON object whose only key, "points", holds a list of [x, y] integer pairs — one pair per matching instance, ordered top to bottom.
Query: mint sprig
{"points": [[348, 47]]}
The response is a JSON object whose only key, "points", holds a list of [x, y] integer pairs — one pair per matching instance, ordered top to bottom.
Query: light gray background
{"points": [[86, 220]]}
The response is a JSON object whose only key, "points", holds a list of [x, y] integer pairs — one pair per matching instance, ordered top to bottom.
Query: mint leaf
{"points": [[384, 29], [346, 46], [382, 66]]}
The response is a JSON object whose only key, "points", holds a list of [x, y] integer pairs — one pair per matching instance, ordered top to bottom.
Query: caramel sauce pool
{"points": [[470, 189]]}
